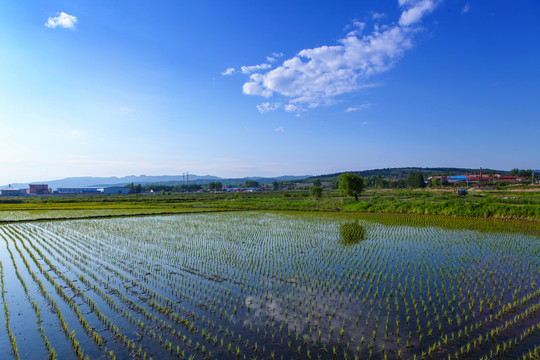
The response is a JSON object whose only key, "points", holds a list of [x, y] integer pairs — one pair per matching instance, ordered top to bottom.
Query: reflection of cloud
{"points": [[296, 320]]}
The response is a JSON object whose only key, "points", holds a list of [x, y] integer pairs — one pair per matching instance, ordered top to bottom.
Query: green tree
{"points": [[525, 174], [415, 179], [376, 180], [317, 182], [436, 182], [251, 184], [351, 184], [275, 185], [217, 186], [317, 191]]}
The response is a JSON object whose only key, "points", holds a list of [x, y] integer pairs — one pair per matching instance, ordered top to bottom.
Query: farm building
{"points": [[457, 178], [479, 178], [509, 178], [38, 189], [116, 190], [10, 191], [78, 191]]}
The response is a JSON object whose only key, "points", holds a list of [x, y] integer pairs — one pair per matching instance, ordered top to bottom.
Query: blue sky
{"points": [[266, 88]]}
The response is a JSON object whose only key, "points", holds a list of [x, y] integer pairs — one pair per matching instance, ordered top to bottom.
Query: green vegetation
{"points": [[416, 180], [351, 185], [317, 191], [517, 202], [351, 233]]}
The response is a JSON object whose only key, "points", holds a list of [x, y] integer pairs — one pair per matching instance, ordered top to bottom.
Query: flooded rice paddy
{"points": [[252, 285]]}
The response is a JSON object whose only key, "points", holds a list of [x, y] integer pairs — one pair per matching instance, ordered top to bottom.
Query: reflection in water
{"points": [[351, 233]]}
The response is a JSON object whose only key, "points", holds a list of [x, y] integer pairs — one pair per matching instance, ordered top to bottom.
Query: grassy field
{"points": [[518, 203]]}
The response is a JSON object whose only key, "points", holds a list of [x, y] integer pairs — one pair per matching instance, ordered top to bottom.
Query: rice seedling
{"points": [[231, 282]]}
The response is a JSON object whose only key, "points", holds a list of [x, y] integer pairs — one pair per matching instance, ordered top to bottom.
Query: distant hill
{"points": [[402, 173], [147, 180]]}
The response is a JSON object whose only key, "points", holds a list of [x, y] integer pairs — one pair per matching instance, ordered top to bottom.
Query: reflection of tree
{"points": [[351, 233]]}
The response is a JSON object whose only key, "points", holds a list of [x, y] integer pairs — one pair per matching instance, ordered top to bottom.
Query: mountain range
{"points": [[388, 173], [145, 180]]}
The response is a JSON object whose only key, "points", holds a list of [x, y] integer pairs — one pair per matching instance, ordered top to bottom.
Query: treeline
{"points": [[394, 174], [212, 186], [138, 188]]}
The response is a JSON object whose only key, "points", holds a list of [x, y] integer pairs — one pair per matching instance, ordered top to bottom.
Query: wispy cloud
{"points": [[466, 8], [414, 10], [377, 16], [63, 20], [274, 57], [253, 68], [229, 71], [317, 76], [265, 107], [360, 107], [280, 129], [76, 134]]}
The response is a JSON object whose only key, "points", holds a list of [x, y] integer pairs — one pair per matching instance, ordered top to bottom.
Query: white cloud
{"points": [[466, 8], [414, 10], [378, 16], [63, 20], [274, 57], [253, 68], [229, 71], [317, 76], [266, 107], [290, 107], [357, 108], [280, 129], [76, 134]]}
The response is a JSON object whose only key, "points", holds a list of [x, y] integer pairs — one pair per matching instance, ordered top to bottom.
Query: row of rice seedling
{"points": [[266, 285], [77, 292], [47, 295], [413, 298], [131, 304], [35, 307], [12, 340]]}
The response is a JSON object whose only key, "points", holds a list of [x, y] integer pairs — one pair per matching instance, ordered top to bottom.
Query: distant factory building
{"points": [[457, 178], [38, 189], [116, 190], [11, 191], [78, 191]]}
